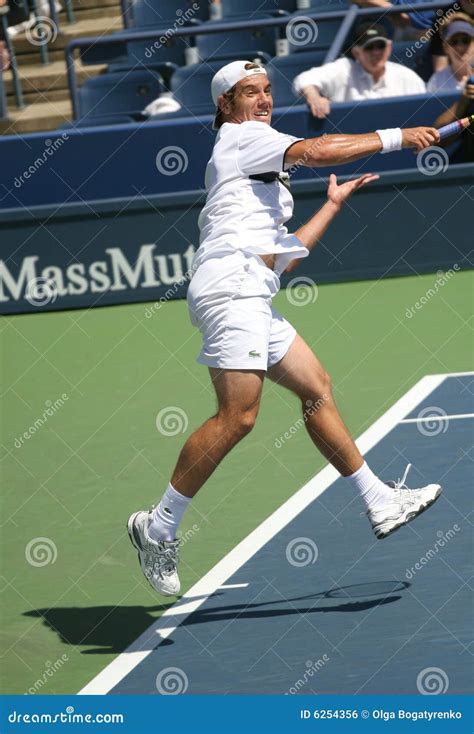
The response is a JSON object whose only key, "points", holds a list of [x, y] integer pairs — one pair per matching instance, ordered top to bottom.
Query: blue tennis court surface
{"points": [[325, 607]]}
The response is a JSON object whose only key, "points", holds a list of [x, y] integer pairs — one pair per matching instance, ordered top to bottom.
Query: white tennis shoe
{"points": [[404, 506], [158, 559]]}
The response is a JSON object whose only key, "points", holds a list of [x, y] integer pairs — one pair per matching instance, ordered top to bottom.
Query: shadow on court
{"points": [[113, 629]]}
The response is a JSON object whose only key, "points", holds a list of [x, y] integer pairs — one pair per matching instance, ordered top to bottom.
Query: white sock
{"points": [[373, 491], [167, 515]]}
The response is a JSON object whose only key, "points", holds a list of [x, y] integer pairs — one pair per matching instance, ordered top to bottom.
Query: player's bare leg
{"points": [[301, 372], [238, 396], [390, 505], [153, 534]]}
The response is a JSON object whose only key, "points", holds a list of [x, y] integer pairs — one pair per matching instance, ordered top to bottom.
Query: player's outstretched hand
{"points": [[419, 137], [339, 194]]}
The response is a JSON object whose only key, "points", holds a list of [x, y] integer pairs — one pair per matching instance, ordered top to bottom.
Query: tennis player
{"points": [[244, 248]]}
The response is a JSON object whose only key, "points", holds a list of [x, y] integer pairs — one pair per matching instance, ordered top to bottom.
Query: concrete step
{"points": [[26, 50], [37, 78], [49, 95], [37, 117]]}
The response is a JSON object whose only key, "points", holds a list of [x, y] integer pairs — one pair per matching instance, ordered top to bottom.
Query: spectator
{"points": [[408, 25], [458, 44], [440, 60], [369, 75], [464, 151]]}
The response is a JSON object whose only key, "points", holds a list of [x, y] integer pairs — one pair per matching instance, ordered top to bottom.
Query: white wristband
{"points": [[391, 139]]}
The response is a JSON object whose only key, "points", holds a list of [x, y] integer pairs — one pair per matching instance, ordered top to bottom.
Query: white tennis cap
{"points": [[230, 74]]}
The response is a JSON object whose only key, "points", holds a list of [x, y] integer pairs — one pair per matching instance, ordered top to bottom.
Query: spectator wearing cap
{"points": [[443, 16], [409, 25], [458, 44], [368, 75]]}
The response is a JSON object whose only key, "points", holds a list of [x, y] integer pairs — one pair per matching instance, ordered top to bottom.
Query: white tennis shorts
{"points": [[230, 301]]}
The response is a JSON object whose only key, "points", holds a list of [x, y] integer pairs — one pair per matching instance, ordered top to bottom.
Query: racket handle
{"points": [[455, 127]]}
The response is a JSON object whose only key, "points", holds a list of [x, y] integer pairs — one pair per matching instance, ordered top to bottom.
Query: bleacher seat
{"points": [[252, 9], [155, 13], [314, 35], [218, 45], [146, 53], [283, 69], [191, 86], [119, 93], [97, 121]]}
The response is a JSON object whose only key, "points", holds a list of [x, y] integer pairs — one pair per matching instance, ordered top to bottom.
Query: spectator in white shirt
{"points": [[458, 44], [368, 75]]}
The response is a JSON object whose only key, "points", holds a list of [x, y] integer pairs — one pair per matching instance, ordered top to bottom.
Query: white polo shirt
{"points": [[345, 80], [444, 81], [241, 213]]}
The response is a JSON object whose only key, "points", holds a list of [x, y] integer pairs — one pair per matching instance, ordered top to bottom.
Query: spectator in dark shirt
{"points": [[408, 25], [438, 53], [464, 106]]}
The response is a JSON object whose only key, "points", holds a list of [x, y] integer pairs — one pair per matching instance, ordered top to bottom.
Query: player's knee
{"points": [[244, 421]]}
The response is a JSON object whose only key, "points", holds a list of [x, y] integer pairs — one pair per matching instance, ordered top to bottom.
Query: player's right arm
{"points": [[330, 150]]}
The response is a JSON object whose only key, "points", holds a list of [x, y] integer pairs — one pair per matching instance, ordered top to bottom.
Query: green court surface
{"points": [[86, 387]]}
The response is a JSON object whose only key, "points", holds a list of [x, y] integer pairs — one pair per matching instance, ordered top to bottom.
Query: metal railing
{"points": [[347, 17]]}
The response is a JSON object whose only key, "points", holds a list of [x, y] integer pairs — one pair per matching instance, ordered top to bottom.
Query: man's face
{"points": [[460, 49], [374, 56], [252, 101]]}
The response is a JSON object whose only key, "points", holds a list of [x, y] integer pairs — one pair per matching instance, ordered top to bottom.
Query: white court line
{"points": [[432, 418], [238, 556], [232, 586]]}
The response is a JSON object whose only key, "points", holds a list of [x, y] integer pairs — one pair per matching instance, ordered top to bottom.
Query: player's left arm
{"points": [[310, 233]]}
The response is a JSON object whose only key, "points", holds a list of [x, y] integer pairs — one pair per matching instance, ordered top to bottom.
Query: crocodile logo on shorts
{"points": [[253, 353]]}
